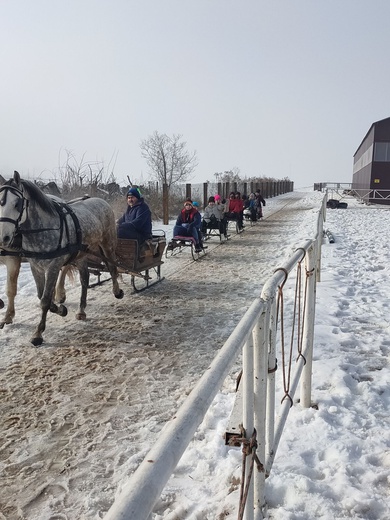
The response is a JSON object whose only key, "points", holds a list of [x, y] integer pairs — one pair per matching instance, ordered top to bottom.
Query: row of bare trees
{"points": [[170, 164]]}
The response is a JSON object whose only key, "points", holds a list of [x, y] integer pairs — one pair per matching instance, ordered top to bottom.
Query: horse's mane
{"points": [[36, 195]]}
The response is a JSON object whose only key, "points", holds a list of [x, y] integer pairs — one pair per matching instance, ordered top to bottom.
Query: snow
{"points": [[80, 413]]}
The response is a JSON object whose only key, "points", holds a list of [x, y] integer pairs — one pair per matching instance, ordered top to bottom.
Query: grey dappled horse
{"points": [[54, 234], [12, 265]]}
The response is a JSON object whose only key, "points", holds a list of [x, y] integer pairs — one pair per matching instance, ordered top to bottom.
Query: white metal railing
{"points": [[365, 194], [369, 195], [255, 337]]}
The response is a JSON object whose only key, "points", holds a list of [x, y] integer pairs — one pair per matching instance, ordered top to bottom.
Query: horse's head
{"points": [[12, 205]]}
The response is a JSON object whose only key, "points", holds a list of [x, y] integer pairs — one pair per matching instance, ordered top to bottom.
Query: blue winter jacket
{"points": [[138, 217]]}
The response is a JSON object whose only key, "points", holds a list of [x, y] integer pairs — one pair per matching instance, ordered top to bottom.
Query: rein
{"points": [[72, 249]]}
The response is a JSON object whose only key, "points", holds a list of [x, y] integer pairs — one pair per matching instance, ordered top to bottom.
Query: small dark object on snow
{"points": [[334, 203], [330, 236]]}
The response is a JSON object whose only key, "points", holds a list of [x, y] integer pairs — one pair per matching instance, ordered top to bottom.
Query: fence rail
{"points": [[364, 194], [256, 338]]}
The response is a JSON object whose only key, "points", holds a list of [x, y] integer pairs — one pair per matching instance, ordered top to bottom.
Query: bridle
{"points": [[21, 204], [62, 208]]}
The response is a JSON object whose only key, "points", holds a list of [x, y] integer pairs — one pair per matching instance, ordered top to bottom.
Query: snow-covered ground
{"points": [[79, 413]]}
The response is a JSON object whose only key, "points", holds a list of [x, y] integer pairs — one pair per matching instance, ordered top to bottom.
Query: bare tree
{"points": [[168, 158], [79, 176]]}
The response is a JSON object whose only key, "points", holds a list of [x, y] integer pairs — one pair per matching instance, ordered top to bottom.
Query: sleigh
{"points": [[178, 243], [142, 262]]}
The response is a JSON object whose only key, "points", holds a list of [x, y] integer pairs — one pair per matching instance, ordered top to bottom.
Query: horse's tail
{"points": [[70, 271]]}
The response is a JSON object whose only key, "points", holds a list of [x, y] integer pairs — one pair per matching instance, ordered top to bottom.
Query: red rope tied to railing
{"points": [[280, 310], [298, 323], [300, 338], [249, 447]]}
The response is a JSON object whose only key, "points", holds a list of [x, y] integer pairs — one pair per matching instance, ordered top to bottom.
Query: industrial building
{"points": [[371, 164]]}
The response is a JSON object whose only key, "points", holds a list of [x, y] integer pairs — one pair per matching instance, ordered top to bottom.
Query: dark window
{"points": [[382, 152]]}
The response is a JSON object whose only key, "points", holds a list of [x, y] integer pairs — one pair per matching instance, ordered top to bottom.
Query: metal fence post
{"points": [[320, 233], [308, 332], [272, 366], [260, 373], [248, 412]]}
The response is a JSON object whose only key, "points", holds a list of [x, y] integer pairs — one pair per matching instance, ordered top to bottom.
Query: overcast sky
{"points": [[276, 88]]}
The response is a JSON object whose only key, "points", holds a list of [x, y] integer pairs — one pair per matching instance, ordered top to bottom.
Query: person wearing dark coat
{"points": [[260, 202], [136, 222], [188, 224]]}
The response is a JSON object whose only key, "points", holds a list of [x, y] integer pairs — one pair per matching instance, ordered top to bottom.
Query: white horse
{"points": [[54, 234], [12, 265]]}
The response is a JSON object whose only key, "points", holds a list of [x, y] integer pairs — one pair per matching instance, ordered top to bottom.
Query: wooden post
{"points": [[205, 193], [165, 204]]}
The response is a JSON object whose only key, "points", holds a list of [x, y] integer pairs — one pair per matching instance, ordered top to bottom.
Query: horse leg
{"points": [[13, 268], [113, 270], [39, 277], [84, 280], [60, 293], [118, 293], [47, 304]]}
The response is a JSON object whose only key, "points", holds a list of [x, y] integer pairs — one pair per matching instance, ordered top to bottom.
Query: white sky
{"points": [[274, 88]]}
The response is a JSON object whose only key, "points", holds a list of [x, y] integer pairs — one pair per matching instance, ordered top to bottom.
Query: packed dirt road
{"points": [[79, 413]]}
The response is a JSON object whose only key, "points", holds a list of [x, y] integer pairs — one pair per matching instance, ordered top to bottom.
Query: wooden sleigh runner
{"points": [[142, 262]]}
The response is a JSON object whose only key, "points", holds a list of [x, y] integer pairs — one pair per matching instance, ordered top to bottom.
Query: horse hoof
{"points": [[120, 295], [1, 304], [62, 310], [81, 316], [2, 325], [37, 342]]}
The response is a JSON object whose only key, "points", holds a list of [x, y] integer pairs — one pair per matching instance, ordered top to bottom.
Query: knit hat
{"points": [[135, 192], [217, 197], [211, 199], [195, 204]]}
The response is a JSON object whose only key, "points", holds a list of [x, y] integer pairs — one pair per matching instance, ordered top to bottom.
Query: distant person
{"points": [[220, 201], [260, 202], [196, 205], [252, 207], [235, 209], [213, 217], [136, 222], [188, 224]]}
